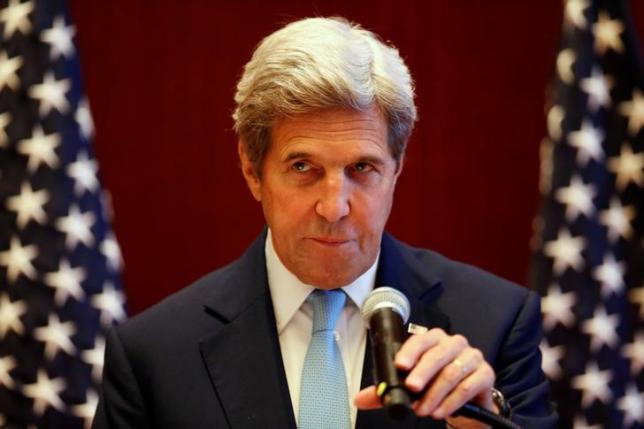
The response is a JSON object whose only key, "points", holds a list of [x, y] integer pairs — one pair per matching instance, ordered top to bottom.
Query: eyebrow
{"points": [[296, 155], [303, 155]]}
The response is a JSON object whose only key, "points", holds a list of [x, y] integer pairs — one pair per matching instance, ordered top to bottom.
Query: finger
{"points": [[415, 346], [434, 360], [449, 377], [477, 387], [366, 399]]}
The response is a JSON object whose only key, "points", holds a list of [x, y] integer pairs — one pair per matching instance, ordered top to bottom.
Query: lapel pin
{"points": [[413, 328]]}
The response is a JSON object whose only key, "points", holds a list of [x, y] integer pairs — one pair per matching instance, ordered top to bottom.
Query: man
{"points": [[324, 112]]}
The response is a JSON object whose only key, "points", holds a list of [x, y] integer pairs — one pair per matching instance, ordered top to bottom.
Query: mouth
{"points": [[330, 241]]}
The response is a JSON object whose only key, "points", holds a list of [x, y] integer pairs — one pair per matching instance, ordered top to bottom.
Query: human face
{"points": [[326, 188]]}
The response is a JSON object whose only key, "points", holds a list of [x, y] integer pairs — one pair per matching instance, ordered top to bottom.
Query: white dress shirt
{"points": [[294, 317]]}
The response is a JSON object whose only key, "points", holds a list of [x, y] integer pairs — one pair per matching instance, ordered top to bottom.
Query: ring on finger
{"points": [[461, 365]]}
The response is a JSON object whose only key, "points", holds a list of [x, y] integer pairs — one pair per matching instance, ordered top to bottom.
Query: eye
{"points": [[301, 166], [362, 167]]}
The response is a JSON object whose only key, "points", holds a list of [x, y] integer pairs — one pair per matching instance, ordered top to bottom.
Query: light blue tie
{"points": [[324, 401]]}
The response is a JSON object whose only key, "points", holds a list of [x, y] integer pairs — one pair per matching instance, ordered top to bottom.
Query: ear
{"points": [[401, 162], [248, 170]]}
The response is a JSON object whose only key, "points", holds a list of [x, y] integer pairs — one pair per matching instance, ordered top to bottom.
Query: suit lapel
{"points": [[399, 269], [243, 355]]}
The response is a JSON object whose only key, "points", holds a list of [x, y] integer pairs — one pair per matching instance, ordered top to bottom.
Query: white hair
{"points": [[321, 63]]}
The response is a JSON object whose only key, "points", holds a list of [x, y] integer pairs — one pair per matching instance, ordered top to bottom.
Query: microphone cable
{"points": [[483, 415]]}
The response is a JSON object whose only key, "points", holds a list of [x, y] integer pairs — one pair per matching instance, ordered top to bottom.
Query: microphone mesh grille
{"points": [[386, 297]]}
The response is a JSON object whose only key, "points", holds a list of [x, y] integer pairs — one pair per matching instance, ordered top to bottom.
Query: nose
{"points": [[333, 203]]}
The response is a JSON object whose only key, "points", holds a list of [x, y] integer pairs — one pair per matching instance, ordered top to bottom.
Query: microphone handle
{"points": [[387, 335]]}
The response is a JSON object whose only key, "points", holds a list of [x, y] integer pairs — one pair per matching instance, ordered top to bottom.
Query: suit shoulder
{"points": [[461, 277], [180, 308], [191, 313]]}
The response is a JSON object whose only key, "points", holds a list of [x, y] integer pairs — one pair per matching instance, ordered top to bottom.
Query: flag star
{"points": [[574, 13], [16, 17], [607, 34], [59, 37], [565, 61], [8, 71], [597, 86], [51, 94], [634, 110], [556, 115], [84, 118], [5, 119], [588, 141], [40, 148], [628, 167], [83, 172], [578, 198], [28, 205], [617, 219], [77, 227], [566, 251], [112, 252], [18, 260], [610, 274], [67, 282], [636, 296], [111, 304], [557, 308], [10, 312], [602, 329], [56, 336], [635, 353], [94, 357], [550, 360], [7, 364], [594, 385], [45, 392], [632, 405], [87, 410], [581, 423]]}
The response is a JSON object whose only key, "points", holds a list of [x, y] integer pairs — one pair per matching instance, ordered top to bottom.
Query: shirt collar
{"points": [[288, 292]]}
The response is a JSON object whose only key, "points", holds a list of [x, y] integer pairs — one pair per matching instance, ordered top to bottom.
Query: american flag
{"points": [[589, 259], [60, 287]]}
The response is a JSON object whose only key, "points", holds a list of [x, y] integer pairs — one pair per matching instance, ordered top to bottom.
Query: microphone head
{"points": [[386, 297]]}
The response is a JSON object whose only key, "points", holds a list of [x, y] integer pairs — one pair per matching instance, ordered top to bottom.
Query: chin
{"points": [[332, 278]]}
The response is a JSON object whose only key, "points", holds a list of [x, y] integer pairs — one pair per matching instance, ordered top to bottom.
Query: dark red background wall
{"points": [[161, 76]]}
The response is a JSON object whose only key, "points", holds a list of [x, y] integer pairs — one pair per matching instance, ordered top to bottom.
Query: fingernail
{"points": [[404, 362], [414, 384], [425, 410], [439, 413]]}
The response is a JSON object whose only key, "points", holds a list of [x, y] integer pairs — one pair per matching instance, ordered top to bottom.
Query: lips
{"points": [[330, 241]]}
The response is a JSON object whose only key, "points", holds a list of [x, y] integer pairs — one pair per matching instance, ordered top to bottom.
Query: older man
{"points": [[324, 112]]}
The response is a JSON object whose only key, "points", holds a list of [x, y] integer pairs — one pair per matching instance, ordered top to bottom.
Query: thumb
{"points": [[366, 399]]}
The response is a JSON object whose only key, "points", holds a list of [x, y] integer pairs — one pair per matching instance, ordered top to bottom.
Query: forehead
{"points": [[338, 131]]}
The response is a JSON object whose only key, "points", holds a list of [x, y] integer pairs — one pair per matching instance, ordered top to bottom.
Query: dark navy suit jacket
{"points": [[209, 356]]}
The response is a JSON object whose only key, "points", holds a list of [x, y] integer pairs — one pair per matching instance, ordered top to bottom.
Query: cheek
{"points": [[285, 209], [372, 209]]}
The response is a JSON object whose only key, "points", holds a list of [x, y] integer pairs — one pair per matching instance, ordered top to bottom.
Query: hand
{"points": [[448, 370]]}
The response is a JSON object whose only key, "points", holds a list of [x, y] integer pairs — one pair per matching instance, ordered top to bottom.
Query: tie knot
{"points": [[327, 306]]}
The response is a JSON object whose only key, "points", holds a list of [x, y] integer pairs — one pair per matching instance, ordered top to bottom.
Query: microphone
{"points": [[385, 311]]}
